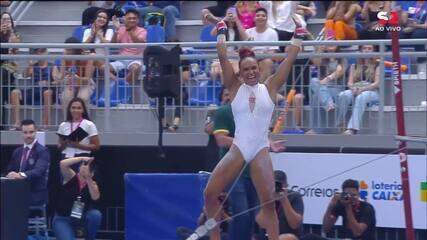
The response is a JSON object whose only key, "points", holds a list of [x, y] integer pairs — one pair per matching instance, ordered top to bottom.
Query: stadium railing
{"points": [[111, 97]]}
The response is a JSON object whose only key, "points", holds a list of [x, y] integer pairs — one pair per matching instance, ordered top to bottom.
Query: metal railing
{"points": [[18, 9], [199, 81]]}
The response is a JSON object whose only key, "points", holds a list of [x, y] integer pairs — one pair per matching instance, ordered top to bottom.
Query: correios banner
{"points": [[314, 176]]}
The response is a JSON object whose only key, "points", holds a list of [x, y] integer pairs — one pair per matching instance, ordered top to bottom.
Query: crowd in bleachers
{"points": [[155, 21]]}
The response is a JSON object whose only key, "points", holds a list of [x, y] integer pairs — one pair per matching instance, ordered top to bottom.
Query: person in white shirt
{"points": [[280, 19], [261, 32], [98, 33], [77, 116]]}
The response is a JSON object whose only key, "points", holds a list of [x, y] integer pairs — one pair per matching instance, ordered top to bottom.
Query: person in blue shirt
{"points": [[42, 89]]}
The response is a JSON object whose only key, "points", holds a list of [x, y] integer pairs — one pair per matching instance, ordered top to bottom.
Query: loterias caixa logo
{"points": [[388, 22], [378, 190]]}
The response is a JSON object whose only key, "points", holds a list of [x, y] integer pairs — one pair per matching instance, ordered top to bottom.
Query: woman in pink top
{"points": [[246, 12]]}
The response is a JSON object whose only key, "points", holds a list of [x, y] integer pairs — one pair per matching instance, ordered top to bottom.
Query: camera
{"points": [[279, 186], [345, 196]]}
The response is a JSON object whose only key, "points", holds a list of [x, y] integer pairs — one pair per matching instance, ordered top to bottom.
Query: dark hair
{"points": [[261, 9], [132, 10], [11, 18], [105, 27], [6, 36], [72, 40], [76, 51], [245, 52], [85, 114], [27, 122], [280, 176], [350, 183]]}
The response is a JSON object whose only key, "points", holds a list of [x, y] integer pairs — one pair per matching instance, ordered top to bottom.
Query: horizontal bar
{"points": [[210, 44], [210, 56], [411, 139]]}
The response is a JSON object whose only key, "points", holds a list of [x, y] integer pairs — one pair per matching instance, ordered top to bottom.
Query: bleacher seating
{"points": [[79, 31], [120, 93], [204, 93]]}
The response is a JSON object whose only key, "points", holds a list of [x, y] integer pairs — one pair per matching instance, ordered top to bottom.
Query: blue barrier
{"points": [[157, 204]]}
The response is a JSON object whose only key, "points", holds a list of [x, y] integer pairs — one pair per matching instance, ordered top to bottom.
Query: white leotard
{"points": [[251, 133]]}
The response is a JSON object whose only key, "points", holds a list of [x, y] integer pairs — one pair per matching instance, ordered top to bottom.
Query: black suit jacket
{"points": [[36, 169]]}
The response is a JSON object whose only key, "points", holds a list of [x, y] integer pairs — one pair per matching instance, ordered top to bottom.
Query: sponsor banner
{"points": [[315, 176]]}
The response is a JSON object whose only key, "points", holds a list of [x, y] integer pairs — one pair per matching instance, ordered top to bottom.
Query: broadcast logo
{"points": [[388, 22]]}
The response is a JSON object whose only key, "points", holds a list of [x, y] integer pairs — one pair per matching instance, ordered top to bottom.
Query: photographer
{"points": [[78, 199], [290, 209], [358, 216]]}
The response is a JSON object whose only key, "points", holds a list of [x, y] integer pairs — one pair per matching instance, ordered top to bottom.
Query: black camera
{"points": [[279, 186], [345, 196]]}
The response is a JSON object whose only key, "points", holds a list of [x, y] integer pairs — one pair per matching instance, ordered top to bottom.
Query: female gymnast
{"points": [[252, 105]]}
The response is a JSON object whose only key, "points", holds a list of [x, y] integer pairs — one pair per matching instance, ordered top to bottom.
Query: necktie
{"points": [[24, 158]]}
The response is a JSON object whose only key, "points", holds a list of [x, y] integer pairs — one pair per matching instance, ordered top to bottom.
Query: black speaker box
{"points": [[162, 77]]}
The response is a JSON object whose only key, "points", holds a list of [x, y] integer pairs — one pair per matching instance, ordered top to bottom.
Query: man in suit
{"points": [[31, 162]]}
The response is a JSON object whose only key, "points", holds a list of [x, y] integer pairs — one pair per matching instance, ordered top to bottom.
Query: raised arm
{"points": [[331, 11], [351, 13], [230, 78], [275, 82], [65, 166], [329, 219]]}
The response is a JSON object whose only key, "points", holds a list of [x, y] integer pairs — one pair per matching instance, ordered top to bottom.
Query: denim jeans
{"points": [[171, 14], [321, 97], [345, 98], [242, 197], [64, 227]]}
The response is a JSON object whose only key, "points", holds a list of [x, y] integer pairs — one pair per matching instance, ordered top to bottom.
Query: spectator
{"points": [[167, 10], [305, 10], [246, 11], [90, 14], [213, 14], [369, 16], [280, 18], [340, 20], [414, 22], [235, 32], [261, 32], [98, 33], [129, 33], [8, 35], [8, 68], [76, 76], [363, 84], [43, 88], [325, 91], [298, 98], [77, 117], [31, 162], [78, 197], [358, 216]]}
